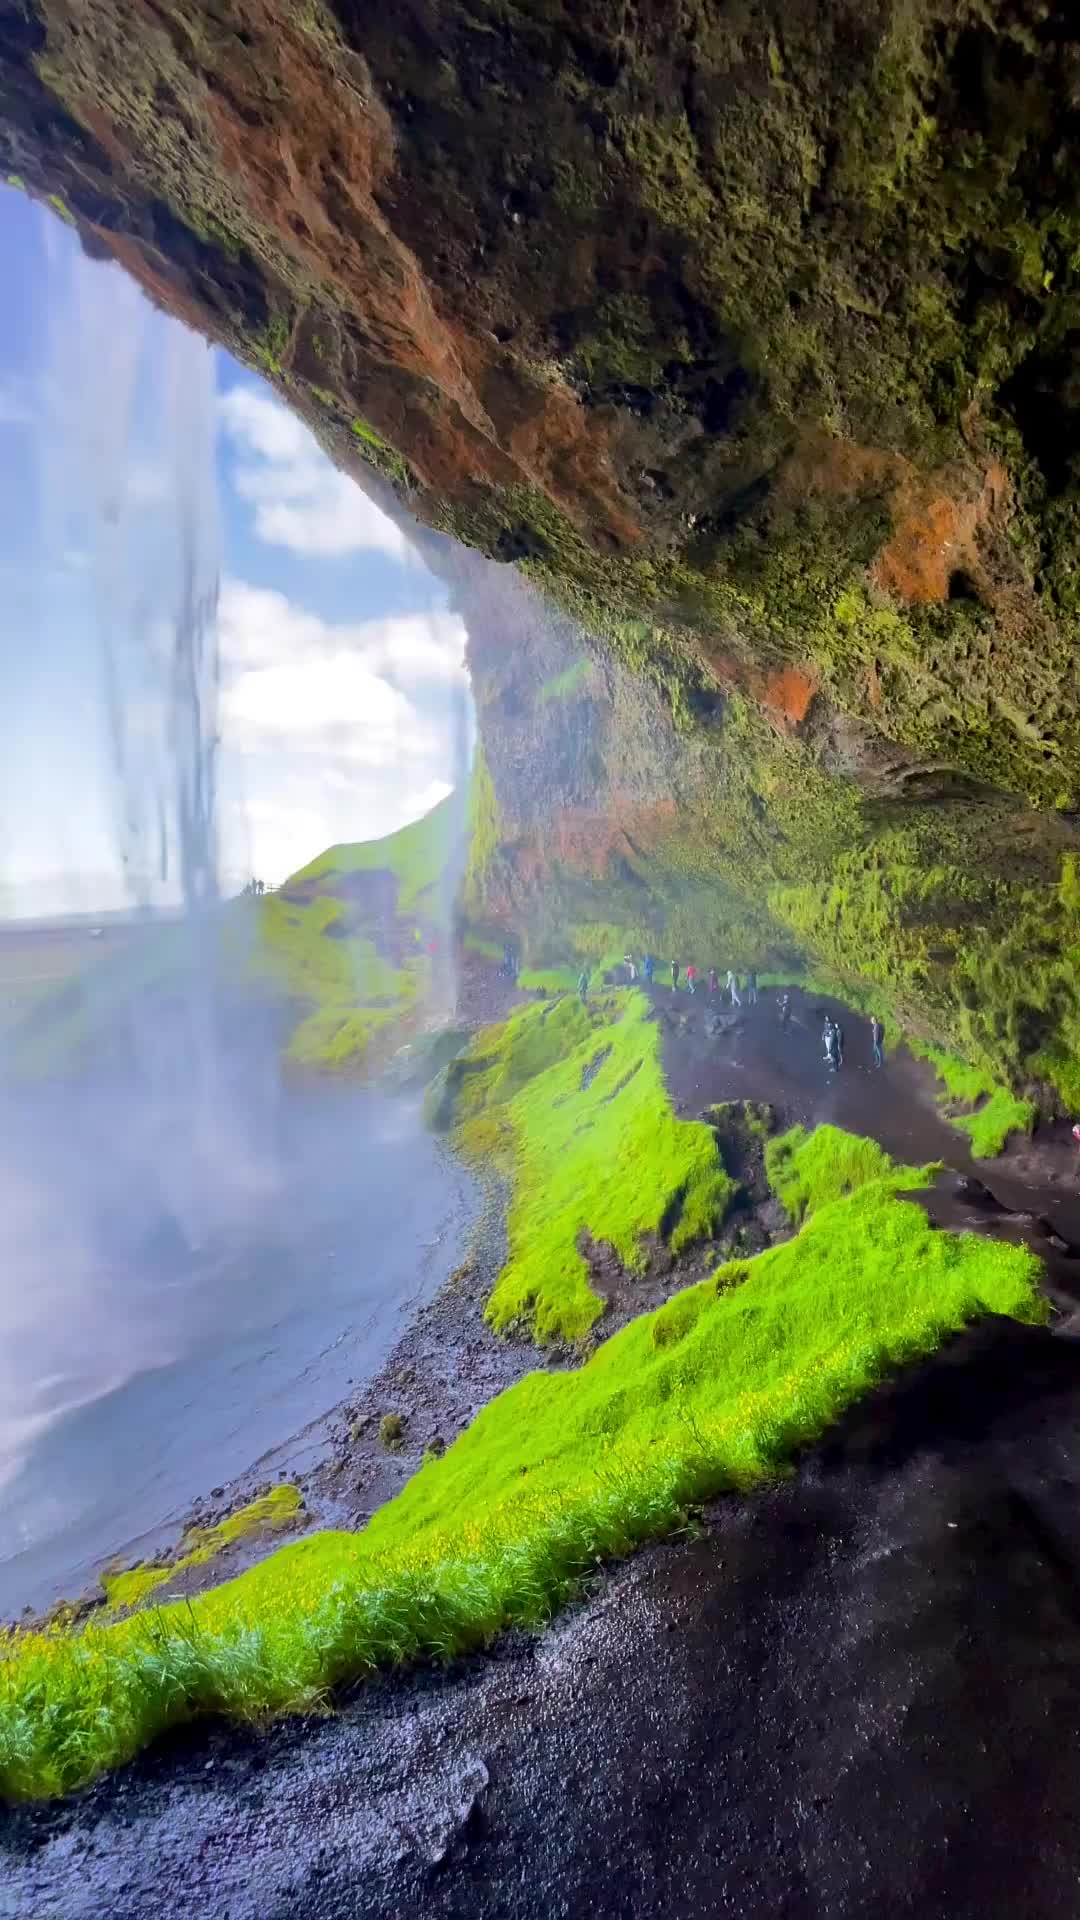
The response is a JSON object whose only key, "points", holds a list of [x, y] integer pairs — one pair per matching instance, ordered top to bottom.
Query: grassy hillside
{"points": [[417, 855], [349, 938], [346, 943], [716, 1389]]}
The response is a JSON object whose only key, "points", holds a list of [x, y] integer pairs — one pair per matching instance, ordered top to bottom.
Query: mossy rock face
{"points": [[755, 329], [750, 336]]}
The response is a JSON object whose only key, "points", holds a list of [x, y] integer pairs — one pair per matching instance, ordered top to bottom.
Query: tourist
{"points": [[628, 963], [647, 967], [674, 975], [691, 977], [714, 980], [583, 984], [733, 988], [751, 989], [785, 1009], [838, 1036], [877, 1036], [828, 1037]]}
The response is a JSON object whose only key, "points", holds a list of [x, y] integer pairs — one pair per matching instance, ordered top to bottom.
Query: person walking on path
{"points": [[628, 963], [647, 966], [674, 975], [691, 978], [714, 980], [583, 984], [733, 989], [751, 989], [785, 1009], [828, 1036], [877, 1036], [838, 1037]]}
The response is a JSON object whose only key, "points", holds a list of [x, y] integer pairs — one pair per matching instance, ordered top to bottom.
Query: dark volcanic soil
{"points": [[711, 1054], [852, 1694]]}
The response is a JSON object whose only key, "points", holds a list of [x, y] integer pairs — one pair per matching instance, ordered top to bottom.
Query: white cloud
{"points": [[301, 501], [262, 628], [335, 707], [320, 728]]}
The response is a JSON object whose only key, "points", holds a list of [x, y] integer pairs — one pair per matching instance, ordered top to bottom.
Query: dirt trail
{"points": [[755, 1058]]}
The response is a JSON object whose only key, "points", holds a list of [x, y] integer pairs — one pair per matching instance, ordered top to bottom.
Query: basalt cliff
{"points": [[740, 344]]}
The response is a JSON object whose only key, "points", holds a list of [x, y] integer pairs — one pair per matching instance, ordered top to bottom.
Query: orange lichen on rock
{"points": [[935, 536], [786, 695]]}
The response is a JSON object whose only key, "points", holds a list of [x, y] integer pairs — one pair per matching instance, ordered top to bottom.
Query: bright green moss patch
{"points": [[571, 1101], [998, 1112], [989, 1128], [808, 1170], [715, 1390], [278, 1508]]}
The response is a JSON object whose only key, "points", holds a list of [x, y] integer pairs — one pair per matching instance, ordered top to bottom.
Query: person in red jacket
{"points": [[691, 977]]}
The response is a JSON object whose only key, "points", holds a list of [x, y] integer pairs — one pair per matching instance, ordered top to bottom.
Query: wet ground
{"points": [[751, 1056], [851, 1694]]}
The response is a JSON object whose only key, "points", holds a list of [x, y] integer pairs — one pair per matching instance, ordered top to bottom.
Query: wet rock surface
{"points": [[850, 1693]]}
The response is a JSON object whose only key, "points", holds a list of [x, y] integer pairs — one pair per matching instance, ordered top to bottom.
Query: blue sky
{"points": [[341, 669]]}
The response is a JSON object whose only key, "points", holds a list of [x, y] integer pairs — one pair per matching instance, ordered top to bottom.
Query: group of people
{"points": [[255, 889], [731, 985], [736, 993], [833, 1040]]}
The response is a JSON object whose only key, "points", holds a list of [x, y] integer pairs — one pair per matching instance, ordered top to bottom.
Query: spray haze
{"points": [[195, 1255]]}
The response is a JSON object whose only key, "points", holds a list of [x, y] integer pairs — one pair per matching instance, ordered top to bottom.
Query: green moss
{"points": [[16, 180], [59, 205], [381, 455], [563, 685], [485, 832], [549, 979], [334, 1038], [560, 1096], [998, 1112], [989, 1128], [810, 1170], [716, 1390], [271, 1511]]}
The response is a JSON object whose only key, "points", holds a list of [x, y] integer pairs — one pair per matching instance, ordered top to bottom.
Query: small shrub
{"points": [[391, 1432]]}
